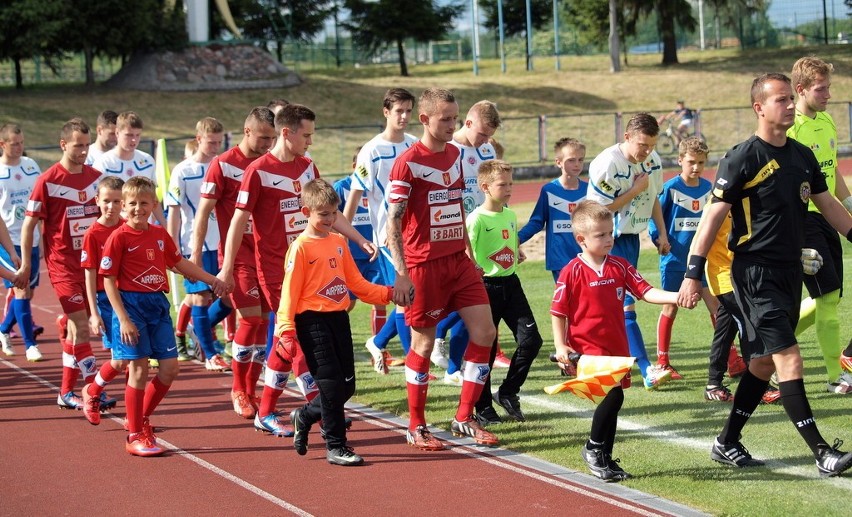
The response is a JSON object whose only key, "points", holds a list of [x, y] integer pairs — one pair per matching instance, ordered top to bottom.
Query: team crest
{"points": [[471, 160], [446, 176], [297, 186], [805, 191], [82, 196], [696, 205], [505, 234], [160, 244], [339, 251], [149, 254], [332, 263], [619, 292], [482, 373]]}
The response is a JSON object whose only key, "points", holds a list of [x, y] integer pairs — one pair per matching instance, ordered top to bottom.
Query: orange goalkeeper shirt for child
{"points": [[318, 276]]}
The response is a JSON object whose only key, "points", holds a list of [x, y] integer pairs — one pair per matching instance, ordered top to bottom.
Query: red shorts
{"points": [[442, 286], [247, 291], [272, 292], [72, 296]]}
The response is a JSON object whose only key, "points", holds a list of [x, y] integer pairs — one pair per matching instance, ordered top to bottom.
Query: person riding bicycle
{"points": [[685, 116]]}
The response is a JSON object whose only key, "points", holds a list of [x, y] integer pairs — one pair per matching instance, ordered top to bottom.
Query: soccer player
{"points": [[815, 128], [105, 136], [125, 160], [18, 174], [627, 178], [370, 181], [765, 183], [219, 192], [64, 199], [182, 199], [493, 232], [427, 240], [320, 272], [586, 317]]}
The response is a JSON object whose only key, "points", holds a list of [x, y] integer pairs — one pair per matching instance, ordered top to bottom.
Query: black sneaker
{"points": [[183, 354], [512, 405], [487, 417], [300, 432], [733, 454], [343, 456], [831, 461], [597, 462], [619, 473]]}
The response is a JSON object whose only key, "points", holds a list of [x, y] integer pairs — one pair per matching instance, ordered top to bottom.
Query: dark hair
{"points": [[395, 95], [292, 115]]}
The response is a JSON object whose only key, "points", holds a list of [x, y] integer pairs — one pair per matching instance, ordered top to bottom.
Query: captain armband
{"points": [[695, 267]]}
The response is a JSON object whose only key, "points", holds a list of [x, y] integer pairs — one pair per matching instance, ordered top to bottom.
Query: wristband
{"points": [[847, 203], [695, 267]]}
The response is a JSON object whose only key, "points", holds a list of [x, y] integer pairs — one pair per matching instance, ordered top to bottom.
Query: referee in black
{"points": [[765, 183]]}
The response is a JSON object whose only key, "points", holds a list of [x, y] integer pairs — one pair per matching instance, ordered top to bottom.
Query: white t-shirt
{"points": [[470, 158], [142, 164], [16, 185], [185, 192]]}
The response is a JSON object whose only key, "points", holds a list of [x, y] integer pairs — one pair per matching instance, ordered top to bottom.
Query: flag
{"points": [[161, 169], [596, 375]]}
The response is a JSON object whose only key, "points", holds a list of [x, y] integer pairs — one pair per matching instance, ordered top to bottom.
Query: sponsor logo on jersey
{"points": [[362, 171], [606, 187], [438, 197], [289, 204], [73, 212], [20, 213], [445, 215], [361, 219], [295, 222], [686, 224], [79, 226], [563, 226], [446, 234], [77, 243], [505, 257], [151, 279], [600, 283], [335, 290], [76, 298], [435, 314]]}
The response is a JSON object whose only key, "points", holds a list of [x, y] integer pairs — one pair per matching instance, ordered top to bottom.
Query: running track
{"points": [[54, 462]]}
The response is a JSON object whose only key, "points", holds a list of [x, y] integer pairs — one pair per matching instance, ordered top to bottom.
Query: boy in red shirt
{"points": [[134, 265]]}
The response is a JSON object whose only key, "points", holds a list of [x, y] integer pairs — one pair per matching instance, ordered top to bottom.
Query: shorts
{"points": [[820, 236], [626, 246], [6, 261], [210, 263], [385, 263], [670, 280], [441, 286], [246, 288], [272, 294], [72, 296], [769, 299], [105, 310], [151, 313]]}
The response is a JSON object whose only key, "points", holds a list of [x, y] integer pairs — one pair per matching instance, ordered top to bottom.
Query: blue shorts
{"points": [[627, 247], [6, 261], [210, 262], [385, 264], [671, 279], [105, 311], [151, 313]]}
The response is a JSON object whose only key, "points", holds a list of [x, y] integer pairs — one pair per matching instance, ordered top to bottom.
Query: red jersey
{"points": [[222, 183], [432, 184], [272, 192], [66, 202], [93, 247], [139, 258], [593, 302]]}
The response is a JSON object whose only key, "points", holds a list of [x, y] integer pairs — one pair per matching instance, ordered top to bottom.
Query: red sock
{"points": [[183, 316], [378, 317], [230, 325], [664, 338], [475, 357], [86, 361], [275, 365], [257, 367], [239, 368], [70, 372], [105, 375], [417, 384], [154, 393], [134, 400]]}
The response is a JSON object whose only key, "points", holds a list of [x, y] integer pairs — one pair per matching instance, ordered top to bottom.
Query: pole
{"points": [[474, 24], [701, 24], [556, 32], [502, 36], [529, 37]]}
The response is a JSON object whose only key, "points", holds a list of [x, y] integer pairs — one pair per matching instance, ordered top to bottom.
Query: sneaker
{"points": [[6, 343], [183, 354], [34, 355], [439, 355], [377, 357], [393, 361], [501, 361], [153, 363], [846, 363], [217, 364], [737, 367], [676, 376], [656, 377], [453, 379], [842, 386], [718, 393], [771, 396], [254, 400], [69, 401], [107, 402], [512, 405], [91, 406], [242, 406], [487, 416], [270, 424], [148, 429], [472, 429], [300, 432], [422, 438], [140, 445], [732, 454], [343, 456], [831, 461], [599, 466], [619, 474]]}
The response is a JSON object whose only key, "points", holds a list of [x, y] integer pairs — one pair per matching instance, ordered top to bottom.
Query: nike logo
{"points": [[429, 174], [240, 175], [276, 183], [63, 193], [557, 203], [488, 229], [133, 248], [312, 261], [530, 325], [172, 349], [349, 379]]}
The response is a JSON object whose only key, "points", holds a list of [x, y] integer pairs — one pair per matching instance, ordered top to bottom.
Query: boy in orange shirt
{"points": [[320, 272]]}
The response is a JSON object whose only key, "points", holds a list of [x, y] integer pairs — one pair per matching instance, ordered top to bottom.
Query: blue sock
{"points": [[217, 312], [24, 315], [9, 321], [201, 323], [446, 324], [403, 331], [387, 332], [270, 334], [635, 342], [458, 344]]}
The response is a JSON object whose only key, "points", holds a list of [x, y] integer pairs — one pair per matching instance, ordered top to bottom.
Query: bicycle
{"points": [[670, 139]]}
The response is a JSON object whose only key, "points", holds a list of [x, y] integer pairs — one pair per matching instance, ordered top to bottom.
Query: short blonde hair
{"points": [[808, 69], [430, 98], [487, 113], [128, 119], [208, 125], [7, 130], [692, 145], [490, 170], [139, 186], [318, 193], [587, 214]]}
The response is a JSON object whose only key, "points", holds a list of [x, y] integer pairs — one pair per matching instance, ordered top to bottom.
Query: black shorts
{"points": [[820, 236], [769, 299]]}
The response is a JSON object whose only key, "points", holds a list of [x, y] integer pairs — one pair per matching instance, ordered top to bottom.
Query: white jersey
{"points": [[94, 154], [470, 158], [142, 164], [611, 175], [372, 176], [16, 185], [185, 192]]}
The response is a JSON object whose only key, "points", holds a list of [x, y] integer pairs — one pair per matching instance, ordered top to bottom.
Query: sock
{"points": [[218, 311], [807, 312], [23, 314], [183, 315], [378, 317], [446, 324], [230, 325], [403, 331], [827, 331], [203, 332], [386, 332], [270, 334], [664, 337], [636, 343], [458, 344], [243, 352], [259, 357], [86, 361], [476, 370], [70, 371], [105, 375], [275, 380], [304, 380], [417, 385], [155, 391], [747, 397], [134, 401], [799, 410], [604, 418]]}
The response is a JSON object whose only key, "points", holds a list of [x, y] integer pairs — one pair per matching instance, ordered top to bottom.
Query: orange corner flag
{"points": [[596, 376]]}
